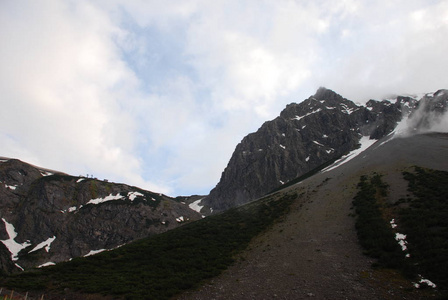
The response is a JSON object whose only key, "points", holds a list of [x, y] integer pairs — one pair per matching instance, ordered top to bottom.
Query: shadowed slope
{"points": [[315, 250]]}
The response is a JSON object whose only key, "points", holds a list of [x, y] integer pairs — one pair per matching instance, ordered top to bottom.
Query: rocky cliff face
{"points": [[306, 135], [47, 218]]}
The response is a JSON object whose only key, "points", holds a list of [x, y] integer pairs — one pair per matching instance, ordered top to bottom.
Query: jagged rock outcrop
{"points": [[306, 135], [48, 218]]}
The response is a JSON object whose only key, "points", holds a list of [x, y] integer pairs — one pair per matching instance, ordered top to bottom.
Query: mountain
{"points": [[311, 133], [49, 217], [300, 242], [313, 252]]}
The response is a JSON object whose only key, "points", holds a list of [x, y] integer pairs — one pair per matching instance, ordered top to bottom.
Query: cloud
{"points": [[392, 48], [253, 52], [63, 85], [158, 94], [430, 116]]}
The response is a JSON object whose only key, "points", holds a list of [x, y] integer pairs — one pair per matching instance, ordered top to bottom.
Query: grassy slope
{"points": [[164, 265]]}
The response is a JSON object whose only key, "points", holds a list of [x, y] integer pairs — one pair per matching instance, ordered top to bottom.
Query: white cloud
{"points": [[398, 49], [252, 55], [63, 86], [158, 93]]}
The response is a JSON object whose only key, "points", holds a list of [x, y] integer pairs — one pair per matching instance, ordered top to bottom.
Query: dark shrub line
{"points": [[422, 218], [425, 220], [374, 232], [164, 265]]}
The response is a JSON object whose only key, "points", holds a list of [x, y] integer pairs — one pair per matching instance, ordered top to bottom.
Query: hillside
{"points": [[52, 217], [283, 220], [297, 243], [314, 252]]}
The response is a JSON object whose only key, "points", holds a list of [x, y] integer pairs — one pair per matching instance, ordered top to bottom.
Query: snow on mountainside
{"points": [[320, 129], [48, 218]]}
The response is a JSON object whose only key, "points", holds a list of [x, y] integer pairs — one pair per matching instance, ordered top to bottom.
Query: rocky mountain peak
{"points": [[323, 93], [306, 135]]}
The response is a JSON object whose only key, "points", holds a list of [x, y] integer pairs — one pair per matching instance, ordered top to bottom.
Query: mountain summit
{"points": [[306, 135]]}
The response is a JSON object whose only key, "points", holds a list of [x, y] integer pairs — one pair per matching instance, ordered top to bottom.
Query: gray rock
{"points": [[306, 135], [68, 217]]}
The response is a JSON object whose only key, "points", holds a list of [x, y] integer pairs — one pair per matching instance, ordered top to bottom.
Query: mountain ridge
{"points": [[305, 135], [49, 218], [316, 237], [310, 251], [314, 251]]}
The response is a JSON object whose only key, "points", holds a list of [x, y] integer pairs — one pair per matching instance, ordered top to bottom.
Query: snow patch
{"points": [[347, 110], [306, 115], [365, 142], [317, 143], [283, 147], [307, 159], [79, 180], [11, 187], [133, 195], [107, 198], [196, 205], [71, 209], [180, 219], [392, 223], [401, 239], [45, 244], [13, 247], [93, 252], [46, 264], [425, 281]]}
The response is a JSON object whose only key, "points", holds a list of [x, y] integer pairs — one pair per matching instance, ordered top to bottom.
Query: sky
{"points": [[157, 94]]}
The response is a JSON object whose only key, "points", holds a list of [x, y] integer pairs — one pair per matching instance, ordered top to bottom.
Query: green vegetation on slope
{"points": [[422, 219], [425, 222], [374, 232], [164, 265]]}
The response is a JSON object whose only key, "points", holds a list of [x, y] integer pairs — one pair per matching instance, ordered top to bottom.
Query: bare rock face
{"points": [[306, 135], [49, 217], [52, 218]]}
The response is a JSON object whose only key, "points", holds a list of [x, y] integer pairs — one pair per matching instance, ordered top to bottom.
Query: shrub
{"points": [[163, 265]]}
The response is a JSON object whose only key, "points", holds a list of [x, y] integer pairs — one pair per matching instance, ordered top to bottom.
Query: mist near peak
{"points": [[431, 115]]}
